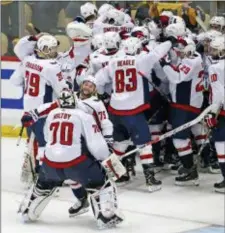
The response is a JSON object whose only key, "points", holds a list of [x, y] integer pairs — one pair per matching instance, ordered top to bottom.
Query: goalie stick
{"points": [[174, 131]]}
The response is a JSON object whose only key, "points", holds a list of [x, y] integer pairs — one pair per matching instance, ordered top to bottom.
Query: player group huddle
{"points": [[91, 110]]}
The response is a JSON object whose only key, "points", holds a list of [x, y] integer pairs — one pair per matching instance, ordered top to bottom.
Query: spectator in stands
{"points": [[45, 14], [9, 21]]}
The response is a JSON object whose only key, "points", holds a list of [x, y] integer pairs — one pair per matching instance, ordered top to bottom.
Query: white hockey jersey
{"points": [[101, 27], [128, 75], [42, 80], [186, 82], [217, 84], [92, 106], [65, 131]]}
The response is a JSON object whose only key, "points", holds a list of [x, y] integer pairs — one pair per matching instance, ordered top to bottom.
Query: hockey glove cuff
{"points": [[29, 118]]}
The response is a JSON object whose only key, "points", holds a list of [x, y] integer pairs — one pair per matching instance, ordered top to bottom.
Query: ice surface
{"points": [[171, 210]]}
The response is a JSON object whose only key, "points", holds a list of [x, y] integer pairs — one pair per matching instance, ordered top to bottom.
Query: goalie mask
{"points": [[47, 46], [67, 99]]}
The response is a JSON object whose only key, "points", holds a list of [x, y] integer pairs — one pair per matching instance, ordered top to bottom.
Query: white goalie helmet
{"points": [[104, 8], [88, 9], [116, 17], [177, 20], [217, 22], [175, 30], [79, 32], [112, 40], [97, 42], [47, 45], [132, 46], [217, 46], [67, 99]]}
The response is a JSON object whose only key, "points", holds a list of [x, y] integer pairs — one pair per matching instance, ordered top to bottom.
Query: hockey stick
{"points": [[201, 23], [32, 29], [157, 89], [174, 131], [20, 136], [30, 147]]}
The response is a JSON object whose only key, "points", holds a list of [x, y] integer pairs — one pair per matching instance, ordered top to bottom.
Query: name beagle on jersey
{"points": [[126, 63]]}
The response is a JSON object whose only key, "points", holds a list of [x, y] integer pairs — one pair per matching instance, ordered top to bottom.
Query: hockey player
{"points": [[89, 12], [114, 21], [217, 23], [111, 48], [41, 72], [40, 75], [186, 91], [129, 100], [216, 119], [71, 137]]}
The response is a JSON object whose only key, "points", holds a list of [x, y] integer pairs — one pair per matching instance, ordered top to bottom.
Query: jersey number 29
{"points": [[32, 84], [65, 136]]}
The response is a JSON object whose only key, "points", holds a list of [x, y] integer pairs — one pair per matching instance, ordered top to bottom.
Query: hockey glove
{"points": [[173, 40], [163, 62], [29, 118], [210, 120], [109, 140]]}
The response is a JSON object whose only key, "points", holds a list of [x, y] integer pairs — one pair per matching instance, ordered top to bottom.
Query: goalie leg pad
{"points": [[36, 200], [105, 207]]}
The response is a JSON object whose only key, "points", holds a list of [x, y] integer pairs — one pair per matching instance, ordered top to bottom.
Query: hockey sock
{"points": [[187, 161], [222, 167], [80, 193]]}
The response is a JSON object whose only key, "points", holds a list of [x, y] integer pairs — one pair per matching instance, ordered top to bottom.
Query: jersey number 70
{"points": [[128, 85], [65, 130]]}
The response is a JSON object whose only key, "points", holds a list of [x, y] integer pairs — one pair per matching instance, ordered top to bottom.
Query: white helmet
{"points": [[104, 8], [88, 9], [167, 13], [116, 17], [177, 20], [217, 22], [154, 29], [175, 30], [78, 32], [140, 32], [212, 34], [112, 40], [97, 42], [218, 44], [47, 45], [132, 46], [186, 46], [89, 78]]}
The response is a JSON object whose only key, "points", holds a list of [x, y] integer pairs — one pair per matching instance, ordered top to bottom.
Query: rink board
{"points": [[11, 99], [172, 210]]}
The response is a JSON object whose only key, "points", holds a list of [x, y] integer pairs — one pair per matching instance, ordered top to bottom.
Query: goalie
{"points": [[74, 148]]}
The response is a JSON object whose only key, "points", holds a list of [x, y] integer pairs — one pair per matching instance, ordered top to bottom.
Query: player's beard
{"points": [[85, 93]]}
